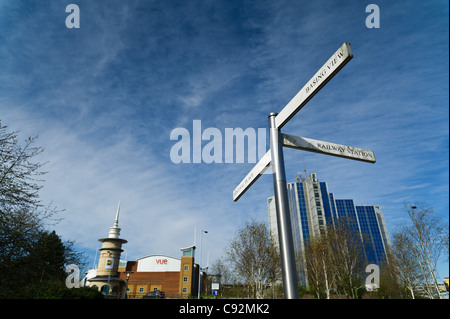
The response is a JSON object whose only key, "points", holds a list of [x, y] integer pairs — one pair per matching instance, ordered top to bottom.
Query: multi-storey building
{"points": [[313, 207], [116, 278]]}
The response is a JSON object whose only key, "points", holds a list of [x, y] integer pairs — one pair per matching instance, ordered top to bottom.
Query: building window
{"points": [[188, 252], [186, 268], [185, 279], [105, 289], [141, 289], [184, 289]]}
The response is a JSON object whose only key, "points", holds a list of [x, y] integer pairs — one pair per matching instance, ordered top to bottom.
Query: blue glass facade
{"points": [[329, 206], [333, 206], [312, 207], [346, 210], [303, 212], [299, 214], [372, 234]]}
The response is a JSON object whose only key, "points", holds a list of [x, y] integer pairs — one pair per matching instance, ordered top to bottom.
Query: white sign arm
{"points": [[334, 64], [327, 148], [253, 176]]}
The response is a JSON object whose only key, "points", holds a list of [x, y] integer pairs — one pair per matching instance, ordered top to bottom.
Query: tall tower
{"points": [[188, 273], [107, 279]]}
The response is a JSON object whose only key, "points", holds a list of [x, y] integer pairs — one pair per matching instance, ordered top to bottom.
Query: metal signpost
{"points": [[310, 145], [275, 158]]}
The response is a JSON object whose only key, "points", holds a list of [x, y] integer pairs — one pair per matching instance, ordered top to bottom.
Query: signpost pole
{"points": [[275, 157], [290, 285]]}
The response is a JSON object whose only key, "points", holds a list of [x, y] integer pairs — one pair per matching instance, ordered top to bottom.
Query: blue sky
{"points": [[104, 99]]}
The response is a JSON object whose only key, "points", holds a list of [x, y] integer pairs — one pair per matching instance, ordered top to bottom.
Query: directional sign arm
{"points": [[334, 64], [308, 144], [253, 176]]}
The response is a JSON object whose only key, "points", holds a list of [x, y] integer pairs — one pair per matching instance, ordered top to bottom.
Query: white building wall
{"points": [[158, 263]]}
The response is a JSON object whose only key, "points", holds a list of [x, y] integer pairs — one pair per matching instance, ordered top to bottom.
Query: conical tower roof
{"points": [[114, 231]]}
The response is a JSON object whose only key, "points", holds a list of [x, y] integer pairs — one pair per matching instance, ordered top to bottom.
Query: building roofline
{"points": [[188, 247], [152, 255]]}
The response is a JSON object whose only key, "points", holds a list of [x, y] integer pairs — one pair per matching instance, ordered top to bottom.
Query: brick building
{"points": [[177, 277], [115, 278]]}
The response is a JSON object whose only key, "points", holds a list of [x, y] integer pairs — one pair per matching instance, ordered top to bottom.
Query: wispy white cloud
{"points": [[105, 98]]}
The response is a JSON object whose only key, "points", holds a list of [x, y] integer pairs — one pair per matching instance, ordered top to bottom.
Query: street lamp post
{"points": [[199, 266], [128, 273]]}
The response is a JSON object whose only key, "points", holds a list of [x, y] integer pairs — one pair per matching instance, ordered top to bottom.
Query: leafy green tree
{"points": [[46, 260], [57, 290]]}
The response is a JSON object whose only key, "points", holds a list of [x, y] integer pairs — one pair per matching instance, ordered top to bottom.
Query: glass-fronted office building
{"points": [[313, 207]]}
